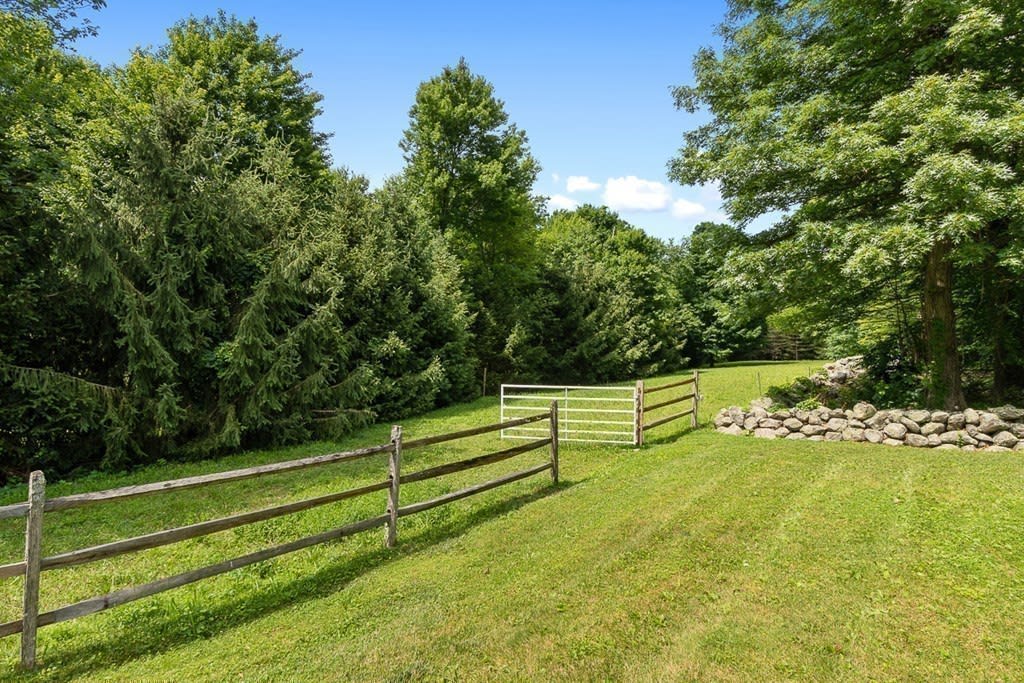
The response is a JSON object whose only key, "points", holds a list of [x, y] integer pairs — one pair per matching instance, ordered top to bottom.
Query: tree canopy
{"points": [[891, 133], [474, 174]]}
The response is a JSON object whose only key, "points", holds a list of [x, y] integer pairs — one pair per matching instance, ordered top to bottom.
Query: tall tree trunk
{"points": [[943, 388]]}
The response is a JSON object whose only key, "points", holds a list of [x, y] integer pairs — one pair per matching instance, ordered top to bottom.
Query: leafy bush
{"points": [[790, 395]]}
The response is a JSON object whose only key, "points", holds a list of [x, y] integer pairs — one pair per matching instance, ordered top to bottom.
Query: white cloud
{"points": [[555, 177], [580, 183], [636, 194], [560, 201], [684, 208]]}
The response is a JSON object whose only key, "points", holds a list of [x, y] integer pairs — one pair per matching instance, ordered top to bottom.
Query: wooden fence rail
{"points": [[641, 421], [34, 563]]}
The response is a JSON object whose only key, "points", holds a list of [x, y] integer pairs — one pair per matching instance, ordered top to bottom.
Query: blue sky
{"points": [[588, 82]]}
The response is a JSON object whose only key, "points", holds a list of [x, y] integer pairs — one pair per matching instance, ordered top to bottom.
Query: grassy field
{"points": [[701, 556]]}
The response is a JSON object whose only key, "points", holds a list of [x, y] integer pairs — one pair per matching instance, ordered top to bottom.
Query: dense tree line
{"points": [[891, 133], [184, 273]]}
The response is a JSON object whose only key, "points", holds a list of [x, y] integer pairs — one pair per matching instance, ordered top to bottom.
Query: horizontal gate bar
{"points": [[561, 387], [574, 399], [577, 410], [596, 431]]}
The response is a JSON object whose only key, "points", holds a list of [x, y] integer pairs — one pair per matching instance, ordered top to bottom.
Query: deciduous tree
{"points": [[891, 132]]}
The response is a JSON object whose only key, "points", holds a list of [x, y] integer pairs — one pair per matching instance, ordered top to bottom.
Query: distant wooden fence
{"points": [[643, 409], [615, 415], [34, 563]]}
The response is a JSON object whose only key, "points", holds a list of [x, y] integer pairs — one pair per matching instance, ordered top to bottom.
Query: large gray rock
{"points": [[840, 372], [863, 411], [758, 412], [837, 412], [1009, 413], [780, 414], [801, 415], [919, 416], [940, 416], [972, 416], [813, 418], [723, 419], [878, 420], [956, 421], [854, 422], [769, 423], [990, 423], [750, 424], [792, 424], [837, 424], [911, 425], [930, 428], [733, 429], [812, 430], [895, 430], [1018, 430], [782, 432], [764, 433], [853, 434], [796, 436], [833, 436], [873, 436], [816, 437], [958, 438], [982, 438], [1005, 439], [916, 440], [934, 440], [892, 442], [1019, 446], [947, 447], [969, 448], [998, 449]]}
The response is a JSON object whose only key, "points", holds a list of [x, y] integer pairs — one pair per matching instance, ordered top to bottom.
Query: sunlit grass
{"points": [[701, 556]]}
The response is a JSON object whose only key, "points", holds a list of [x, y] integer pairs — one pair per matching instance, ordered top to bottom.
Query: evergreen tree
{"points": [[251, 85], [619, 312], [50, 400]]}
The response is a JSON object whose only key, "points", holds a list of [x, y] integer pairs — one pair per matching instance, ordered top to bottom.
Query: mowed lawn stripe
{"points": [[703, 557]]}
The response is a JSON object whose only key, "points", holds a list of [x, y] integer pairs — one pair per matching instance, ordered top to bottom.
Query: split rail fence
{"points": [[588, 414], [644, 424], [34, 563]]}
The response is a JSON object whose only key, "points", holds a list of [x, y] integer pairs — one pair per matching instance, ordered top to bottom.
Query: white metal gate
{"points": [[585, 414]]}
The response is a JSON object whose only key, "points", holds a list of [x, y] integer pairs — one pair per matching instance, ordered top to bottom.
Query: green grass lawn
{"points": [[701, 556]]}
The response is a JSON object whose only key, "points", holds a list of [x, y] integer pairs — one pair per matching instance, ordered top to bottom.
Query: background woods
{"points": [[185, 271]]}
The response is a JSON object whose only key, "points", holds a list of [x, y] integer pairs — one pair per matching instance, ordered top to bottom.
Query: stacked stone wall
{"points": [[996, 430]]}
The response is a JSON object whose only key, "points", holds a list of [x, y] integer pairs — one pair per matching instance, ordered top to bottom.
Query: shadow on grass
{"points": [[672, 436], [147, 636]]}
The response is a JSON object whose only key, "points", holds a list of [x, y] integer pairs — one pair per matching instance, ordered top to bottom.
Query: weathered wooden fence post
{"points": [[696, 398], [638, 413], [553, 420], [395, 474], [33, 554]]}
